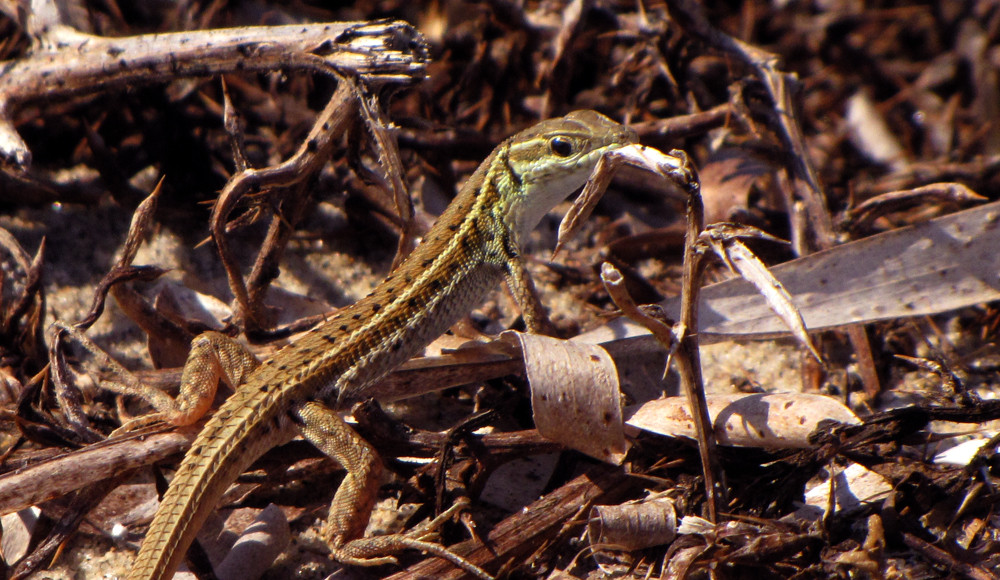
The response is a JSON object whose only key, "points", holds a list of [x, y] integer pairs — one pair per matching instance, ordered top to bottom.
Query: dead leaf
{"points": [[870, 133], [726, 181], [940, 265], [575, 396], [781, 420], [854, 488], [633, 525], [17, 529], [258, 546]]}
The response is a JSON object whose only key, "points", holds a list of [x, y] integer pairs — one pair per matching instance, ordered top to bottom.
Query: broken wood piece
{"points": [[384, 51], [62, 474]]}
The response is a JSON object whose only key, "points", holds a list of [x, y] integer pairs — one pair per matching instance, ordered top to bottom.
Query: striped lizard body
{"points": [[472, 247]]}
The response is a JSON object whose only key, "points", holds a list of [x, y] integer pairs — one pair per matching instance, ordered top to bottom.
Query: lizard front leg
{"points": [[522, 287], [355, 498]]}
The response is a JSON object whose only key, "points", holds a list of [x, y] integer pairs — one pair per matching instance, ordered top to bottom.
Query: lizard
{"points": [[473, 245]]}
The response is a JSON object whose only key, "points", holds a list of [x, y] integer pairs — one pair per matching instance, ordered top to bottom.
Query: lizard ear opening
{"points": [[561, 146]]}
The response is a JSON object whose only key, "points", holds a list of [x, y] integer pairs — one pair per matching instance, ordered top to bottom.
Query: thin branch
{"points": [[312, 154], [688, 356]]}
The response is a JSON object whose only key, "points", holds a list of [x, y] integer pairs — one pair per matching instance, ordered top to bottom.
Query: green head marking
{"points": [[551, 160]]}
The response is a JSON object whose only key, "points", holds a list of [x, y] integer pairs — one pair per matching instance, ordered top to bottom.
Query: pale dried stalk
{"points": [[688, 357]]}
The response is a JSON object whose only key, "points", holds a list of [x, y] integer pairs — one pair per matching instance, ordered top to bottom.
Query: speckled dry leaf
{"points": [[939, 265], [575, 397], [782, 420]]}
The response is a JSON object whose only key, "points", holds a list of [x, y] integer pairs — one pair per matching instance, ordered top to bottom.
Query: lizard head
{"points": [[551, 160]]}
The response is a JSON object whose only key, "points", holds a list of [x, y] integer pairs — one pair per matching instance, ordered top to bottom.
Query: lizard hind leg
{"points": [[213, 357], [355, 498]]}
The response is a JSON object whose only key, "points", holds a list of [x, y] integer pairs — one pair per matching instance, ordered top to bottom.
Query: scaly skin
{"points": [[470, 249]]}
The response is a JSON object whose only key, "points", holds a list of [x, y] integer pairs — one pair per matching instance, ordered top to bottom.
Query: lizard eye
{"points": [[561, 146]]}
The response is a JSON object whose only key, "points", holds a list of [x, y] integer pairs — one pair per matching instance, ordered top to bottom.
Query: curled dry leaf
{"points": [[390, 170], [934, 193], [22, 298], [68, 389], [575, 396], [778, 420], [633, 525], [869, 557], [681, 561]]}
